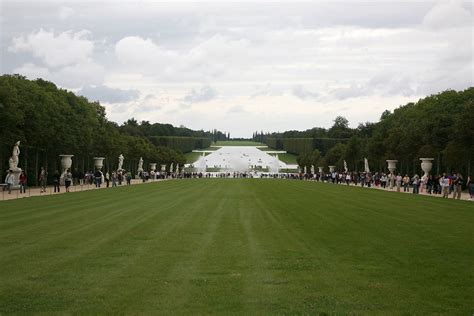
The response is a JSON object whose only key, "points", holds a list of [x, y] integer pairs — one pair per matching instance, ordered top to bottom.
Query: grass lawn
{"points": [[237, 143], [192, 156], [287, 158], [249, 246]]}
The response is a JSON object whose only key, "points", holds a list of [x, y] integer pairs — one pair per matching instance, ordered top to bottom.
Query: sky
{"points": [[242, 66]]}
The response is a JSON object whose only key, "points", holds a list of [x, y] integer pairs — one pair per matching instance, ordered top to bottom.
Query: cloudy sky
{"points": [[245, 66]]}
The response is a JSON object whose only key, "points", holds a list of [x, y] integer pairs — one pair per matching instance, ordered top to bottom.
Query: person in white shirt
{"points": [[444, 183]]}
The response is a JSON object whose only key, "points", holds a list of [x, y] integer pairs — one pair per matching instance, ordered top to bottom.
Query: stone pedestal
{"points": [[66, 163], [99, 164], [392, 166], [16, 178]]}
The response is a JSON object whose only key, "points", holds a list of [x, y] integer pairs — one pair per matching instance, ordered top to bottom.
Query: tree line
{"points": [[50, 121], [440, 126]]}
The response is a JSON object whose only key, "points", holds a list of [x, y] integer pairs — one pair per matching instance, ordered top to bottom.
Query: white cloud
{"points": [[65, 13], [448, 14], [63, 49], [283, 61], [33, 71], [302, 93], [106, 94], [204, 94]]}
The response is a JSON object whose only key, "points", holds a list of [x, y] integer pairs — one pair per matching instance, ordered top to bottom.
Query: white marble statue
{"points": [[13, 161], [120, 164], [140, 165], [366, 165], [345, 166]]}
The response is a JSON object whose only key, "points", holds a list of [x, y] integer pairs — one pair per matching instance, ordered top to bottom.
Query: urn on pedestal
{"points": [[98, 162], [66, 163], [392, 165], [426, 165], [332, 168]]}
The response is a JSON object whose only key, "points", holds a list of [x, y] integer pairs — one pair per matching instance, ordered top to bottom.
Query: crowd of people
{"points": [[444, 185]]}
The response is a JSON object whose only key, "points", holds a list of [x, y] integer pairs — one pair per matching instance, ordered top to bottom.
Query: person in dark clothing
{"points": [[98, 178], [56, 179], [429, 184]]}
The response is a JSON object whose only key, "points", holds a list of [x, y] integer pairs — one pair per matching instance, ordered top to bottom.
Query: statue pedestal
{"points": [[16, 178]]}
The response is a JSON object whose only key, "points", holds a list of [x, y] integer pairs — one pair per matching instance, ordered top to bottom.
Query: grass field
{"points": [[237, 143], [192, 156], [287, 158], [237, 245]]}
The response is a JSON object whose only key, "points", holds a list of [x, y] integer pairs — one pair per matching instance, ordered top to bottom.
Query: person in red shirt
{"points": [[22, 181]]}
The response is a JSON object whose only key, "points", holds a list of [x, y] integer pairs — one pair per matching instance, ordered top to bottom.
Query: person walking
{"points": [[43, 177], [97, 178], [67, 179], [107, 179], [114, 179], [23, 180], [56, 180], [9, 181], [383, 181], [398, 181], [406, 183], [444, 183], [416, 184], [429, 184], [470, 186], [457, 187]]}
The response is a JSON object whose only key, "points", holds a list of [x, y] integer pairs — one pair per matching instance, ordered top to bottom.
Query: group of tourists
{"points": [[444, 184]]}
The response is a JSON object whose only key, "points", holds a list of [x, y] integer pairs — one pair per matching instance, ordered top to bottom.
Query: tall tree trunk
{"points": [[36, 168]]}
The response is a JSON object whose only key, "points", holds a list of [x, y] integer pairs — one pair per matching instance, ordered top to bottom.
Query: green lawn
{"points": [[237, 143], [192, 156], [287, 158], [237, 245]]}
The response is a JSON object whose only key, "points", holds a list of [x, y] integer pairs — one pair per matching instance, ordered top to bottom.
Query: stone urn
{"points": [[98, 162], [66, 163], [392, 165], [426, 165], [153, 166], [163, 168], [332, 168], [320, 169]]}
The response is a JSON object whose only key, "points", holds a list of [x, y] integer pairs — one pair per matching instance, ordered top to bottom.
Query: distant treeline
{"points": [[50, 121], [440, 126]]}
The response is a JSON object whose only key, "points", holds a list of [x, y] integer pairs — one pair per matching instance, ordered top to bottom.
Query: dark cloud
{"points": [[108, 95]]}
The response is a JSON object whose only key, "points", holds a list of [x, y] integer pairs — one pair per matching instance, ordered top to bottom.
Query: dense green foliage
{"points": [[50, 121], [439, 126], [183, 144], [236, 246]]}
